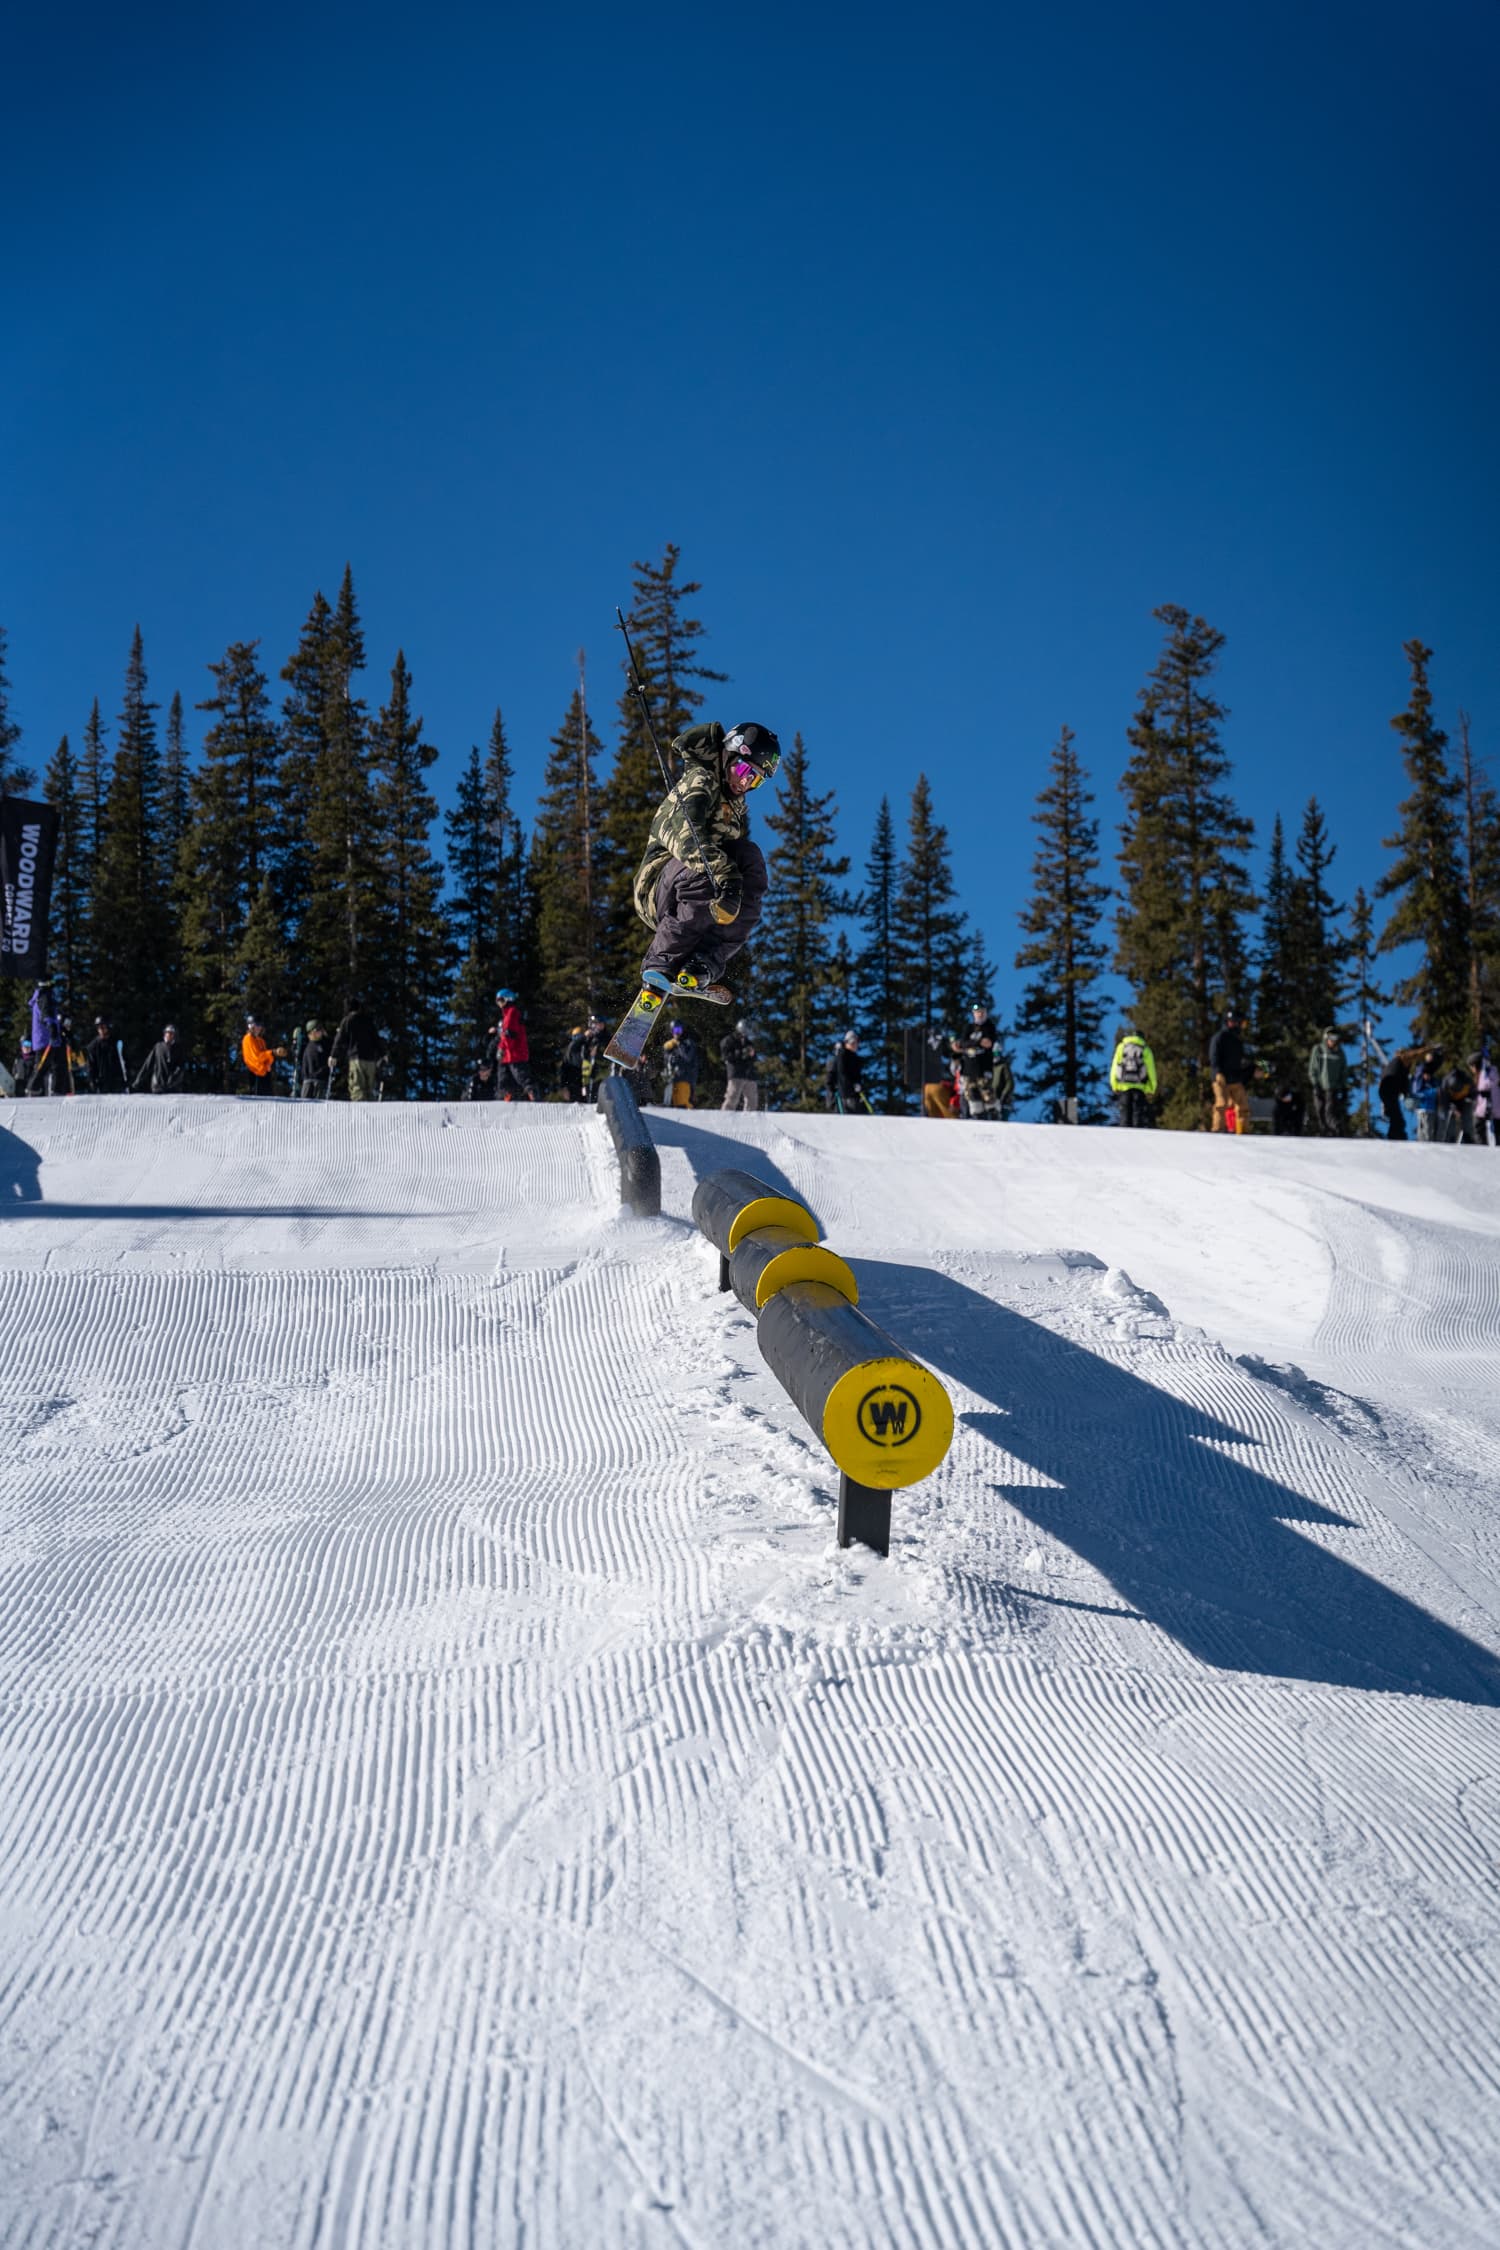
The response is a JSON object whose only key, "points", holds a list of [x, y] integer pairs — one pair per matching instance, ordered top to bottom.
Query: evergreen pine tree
{"points": [[666, 643], [310, 674], [94, 768], [15, 779], [60, 788], [93, 795], [176, 801], [1481, 819], [564, 845], [224, 862], [1427, 879], [482, 901], [1179, 927], [929, 930], [131, 934], [337, 935], [794, 942], [1319, 953], [413, 961], [877, 968], [260, 972], [979, 977], [1364, 995], [1062, 1009], [1278, 1041]]}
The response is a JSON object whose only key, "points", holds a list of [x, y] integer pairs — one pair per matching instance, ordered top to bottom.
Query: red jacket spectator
{"points": [[514, 1045]]}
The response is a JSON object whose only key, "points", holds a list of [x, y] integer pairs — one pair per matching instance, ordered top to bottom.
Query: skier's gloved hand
{"points": [[727, 907]]}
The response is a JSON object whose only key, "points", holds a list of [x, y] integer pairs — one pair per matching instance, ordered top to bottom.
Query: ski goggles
{"points": [[748, 775]]}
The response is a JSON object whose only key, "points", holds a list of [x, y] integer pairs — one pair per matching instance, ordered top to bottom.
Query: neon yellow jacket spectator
{"points": [[1134, 1065]]}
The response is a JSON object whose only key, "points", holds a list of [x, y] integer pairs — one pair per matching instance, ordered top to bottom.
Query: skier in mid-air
{"points": [[700, 887]]}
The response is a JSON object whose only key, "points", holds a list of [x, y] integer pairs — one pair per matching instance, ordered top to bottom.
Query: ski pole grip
{"points": [[640, 1166]]}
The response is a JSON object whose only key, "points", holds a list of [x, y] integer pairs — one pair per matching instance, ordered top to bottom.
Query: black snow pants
{"points": [[685, 925], [1134, 1105]]}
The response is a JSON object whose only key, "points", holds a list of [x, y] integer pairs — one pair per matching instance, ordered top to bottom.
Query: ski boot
{"points": [[695, 982]]}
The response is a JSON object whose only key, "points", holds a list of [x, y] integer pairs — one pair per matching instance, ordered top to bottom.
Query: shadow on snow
{"points": [[1194, 1539]]}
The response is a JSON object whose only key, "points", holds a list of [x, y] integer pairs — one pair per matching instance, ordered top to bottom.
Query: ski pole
{"points": [[639, 686]]}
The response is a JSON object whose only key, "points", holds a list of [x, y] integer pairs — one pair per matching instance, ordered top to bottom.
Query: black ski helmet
{"points": [[757, 745]]}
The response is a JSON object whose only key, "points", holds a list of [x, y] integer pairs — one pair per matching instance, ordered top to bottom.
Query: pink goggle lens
{"points": [[749, 776]]}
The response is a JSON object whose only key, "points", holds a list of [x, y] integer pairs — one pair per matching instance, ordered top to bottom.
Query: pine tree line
{"points": [[292, 870]]}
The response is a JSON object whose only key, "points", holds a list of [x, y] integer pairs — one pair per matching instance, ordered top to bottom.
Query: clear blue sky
{"points": [[946, 343]]}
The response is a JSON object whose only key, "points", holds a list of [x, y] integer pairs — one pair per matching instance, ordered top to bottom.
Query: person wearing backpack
{"points": [[1132, 1079]]}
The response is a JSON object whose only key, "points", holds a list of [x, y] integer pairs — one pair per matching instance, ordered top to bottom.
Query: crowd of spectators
{"points": [[1423, 1093]]}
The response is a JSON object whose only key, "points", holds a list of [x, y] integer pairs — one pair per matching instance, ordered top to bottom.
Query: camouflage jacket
{"points": [[698, 801]]}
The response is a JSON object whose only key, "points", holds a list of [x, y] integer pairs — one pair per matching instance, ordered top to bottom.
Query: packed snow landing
{"points": [[453, 1791]]}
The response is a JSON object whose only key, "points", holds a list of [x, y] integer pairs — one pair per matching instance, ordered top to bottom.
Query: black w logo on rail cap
{"points": [[889, 1415]]}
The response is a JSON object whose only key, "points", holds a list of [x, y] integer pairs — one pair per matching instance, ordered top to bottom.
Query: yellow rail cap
{"points": [[888, 1422]]}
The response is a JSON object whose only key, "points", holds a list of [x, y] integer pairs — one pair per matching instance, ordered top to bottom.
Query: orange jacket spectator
{"points": [[258, 1058]]}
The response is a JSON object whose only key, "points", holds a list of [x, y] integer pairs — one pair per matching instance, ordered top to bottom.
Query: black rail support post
{"points": [[640, 1166], [724, 1281], [864, 1514]]}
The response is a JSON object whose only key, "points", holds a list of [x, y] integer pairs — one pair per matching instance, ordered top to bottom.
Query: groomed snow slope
{"points": [[453, 1792]]}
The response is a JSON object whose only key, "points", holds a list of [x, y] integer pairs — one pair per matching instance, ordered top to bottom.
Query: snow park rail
{"points": [[640, 1166], [886, 1419]]}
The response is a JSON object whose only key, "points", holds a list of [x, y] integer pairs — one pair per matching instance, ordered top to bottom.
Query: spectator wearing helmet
{"points": [[702, 881], [737, 1053], [259, 1057], [106, 1060], [312, 1063], [682, 1064], [23, 1066], [570, 1069], [164, 1070], [1231, 1070], [514, 1078], [844, 1079], [986, 1081]]}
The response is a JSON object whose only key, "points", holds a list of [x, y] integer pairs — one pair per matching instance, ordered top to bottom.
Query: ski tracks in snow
{"points": [[452, 1791]]}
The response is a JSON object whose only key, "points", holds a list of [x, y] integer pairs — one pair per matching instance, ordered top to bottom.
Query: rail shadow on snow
{"points": [[714, 1152], [21, 1197], [17, 1204], [1198, 1542]]}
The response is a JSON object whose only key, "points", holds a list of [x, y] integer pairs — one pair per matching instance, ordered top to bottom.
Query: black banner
{"points": [[28, 844]]}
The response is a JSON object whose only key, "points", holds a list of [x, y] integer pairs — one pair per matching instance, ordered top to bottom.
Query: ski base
{"points": [[629, 1042]]}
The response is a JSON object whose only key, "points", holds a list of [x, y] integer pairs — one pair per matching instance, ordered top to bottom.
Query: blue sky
{"points": [[945, 345]]}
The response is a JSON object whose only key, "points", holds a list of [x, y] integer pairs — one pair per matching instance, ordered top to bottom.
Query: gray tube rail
{"points": [[640, 1166], [885, 1418]]}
